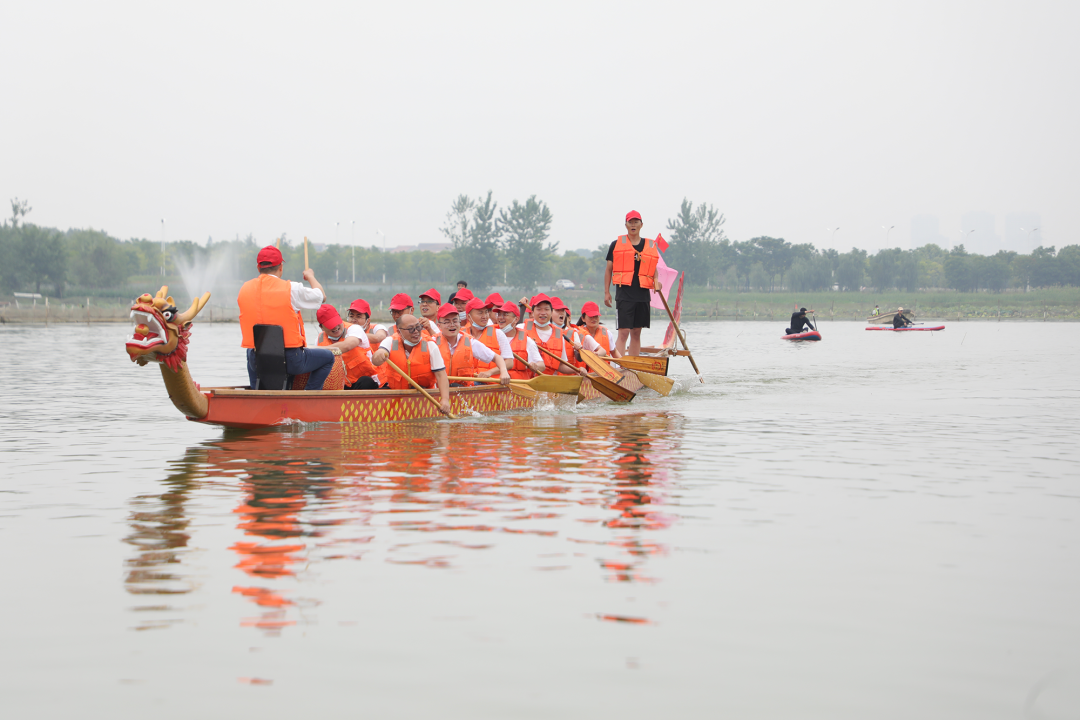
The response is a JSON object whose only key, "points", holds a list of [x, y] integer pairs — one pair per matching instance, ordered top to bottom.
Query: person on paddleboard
{"points": [[799, 321], [899, 321]]}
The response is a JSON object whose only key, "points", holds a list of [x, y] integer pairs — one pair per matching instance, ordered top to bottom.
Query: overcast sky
{"points": [[790, 117]]}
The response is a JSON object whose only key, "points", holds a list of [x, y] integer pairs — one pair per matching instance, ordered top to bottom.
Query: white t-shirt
{"points": [[304, 297], [433, 352]]}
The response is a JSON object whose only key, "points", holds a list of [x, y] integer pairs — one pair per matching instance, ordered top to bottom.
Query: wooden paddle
{"points": [[306, 266], [682, 337], [597, 365], [654, 365], [659, 383], [415, 384], [559, 384], [606, 387], [520, 389], [614, 391], [580, 393]]}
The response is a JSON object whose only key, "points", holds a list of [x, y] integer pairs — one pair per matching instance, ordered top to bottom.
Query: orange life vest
{"points": [[622, 266], [267, 300], [573, 334], [487, 336], [601, 337], [554, 344], [357, 361], [461, 362], [416, 363], [518, 370]]}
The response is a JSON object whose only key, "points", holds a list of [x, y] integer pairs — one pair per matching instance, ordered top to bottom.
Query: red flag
{"points": [[661, 242]]}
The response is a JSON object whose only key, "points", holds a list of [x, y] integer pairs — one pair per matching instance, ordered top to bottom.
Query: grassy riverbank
{"points": [[1048, 304], [1051, 304]]}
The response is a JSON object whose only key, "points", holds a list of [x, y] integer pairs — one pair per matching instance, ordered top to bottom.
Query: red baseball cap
{"points": [[633, 214], [269, 256], [433, 294], [463, 294], [539, 298], [494, 300], [400, 302], [475, 304], [557, 304], [361, 306], [510, 308], [447, 309], [591, 309], [327, 316]]}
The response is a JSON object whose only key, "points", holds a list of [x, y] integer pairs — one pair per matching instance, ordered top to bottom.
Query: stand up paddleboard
{"points": [[906, 329]]}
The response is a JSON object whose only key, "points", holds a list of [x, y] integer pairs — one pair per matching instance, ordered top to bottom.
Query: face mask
{"points": [[461, 317], [540, 324], [481, 327], [508, 327], [410, 343]]}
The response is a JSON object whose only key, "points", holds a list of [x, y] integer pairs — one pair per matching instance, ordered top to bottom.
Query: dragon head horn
{"points": [[162, 292], [196, 305]]}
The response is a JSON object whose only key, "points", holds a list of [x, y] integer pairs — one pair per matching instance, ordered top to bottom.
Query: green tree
{"points": [[472, 227], [524, 230], [697, 242], [44, 257], [96, 259], [851, 270], [959, 273]]}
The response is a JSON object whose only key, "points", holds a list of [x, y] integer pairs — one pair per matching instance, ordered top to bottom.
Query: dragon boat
{"points": [[162, 335]]}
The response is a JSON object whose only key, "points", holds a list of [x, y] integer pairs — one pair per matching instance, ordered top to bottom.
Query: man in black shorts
{"points": [[631, 264]]}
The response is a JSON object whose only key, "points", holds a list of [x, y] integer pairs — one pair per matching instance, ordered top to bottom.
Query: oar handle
{"points": [[306, 266], [679, 332], [524, 362], [416, 385]]}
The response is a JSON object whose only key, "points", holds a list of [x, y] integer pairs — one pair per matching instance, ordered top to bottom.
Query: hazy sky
{"points": [[790, 117]]}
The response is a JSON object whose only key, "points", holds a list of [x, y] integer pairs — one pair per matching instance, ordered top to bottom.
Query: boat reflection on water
{"points": [[423, 494]]}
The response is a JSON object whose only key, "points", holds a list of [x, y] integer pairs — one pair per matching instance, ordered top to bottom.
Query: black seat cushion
{"points": [[270, 358]]}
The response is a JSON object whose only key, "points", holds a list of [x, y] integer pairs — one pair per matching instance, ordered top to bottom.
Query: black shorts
{"points": [[632, 314]]}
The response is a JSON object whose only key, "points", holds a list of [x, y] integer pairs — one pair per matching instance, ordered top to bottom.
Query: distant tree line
{"points": [[511, 246]]}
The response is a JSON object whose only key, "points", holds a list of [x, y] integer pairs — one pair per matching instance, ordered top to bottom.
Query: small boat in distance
{"points": [[906, 329], [808, 335]]}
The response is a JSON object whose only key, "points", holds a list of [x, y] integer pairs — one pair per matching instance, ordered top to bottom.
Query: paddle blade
{"points": [[641, 363], [598, 366], [659, 383], [561, 384], [611, 390], [523, 391]]}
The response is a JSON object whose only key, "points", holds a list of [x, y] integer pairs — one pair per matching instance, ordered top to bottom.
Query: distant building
{"points": [[925, 230], [1023, 231], [984, 240]]}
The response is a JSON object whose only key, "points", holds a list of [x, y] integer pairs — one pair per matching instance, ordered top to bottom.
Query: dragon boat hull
{"points": [[251, 409]]}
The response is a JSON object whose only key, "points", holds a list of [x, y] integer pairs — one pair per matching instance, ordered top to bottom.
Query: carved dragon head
{"points": [[161, 333]]}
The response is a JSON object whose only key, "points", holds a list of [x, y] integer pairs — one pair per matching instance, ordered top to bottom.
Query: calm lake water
{"points": [[879, 525]]}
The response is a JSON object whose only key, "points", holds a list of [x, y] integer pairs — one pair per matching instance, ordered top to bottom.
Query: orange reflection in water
{"points": [[416, 494]]}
